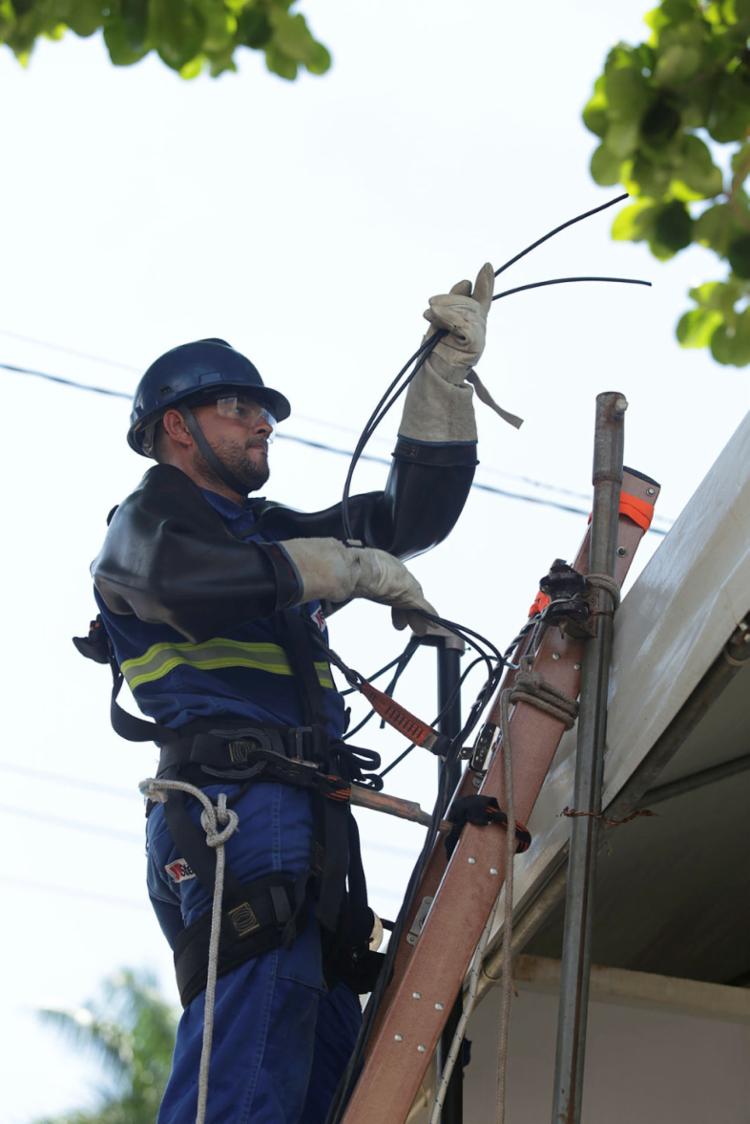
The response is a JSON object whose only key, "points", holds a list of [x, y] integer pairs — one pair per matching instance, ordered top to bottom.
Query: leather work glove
{"points": [[463, 314], [438, 404], [330, 571]]}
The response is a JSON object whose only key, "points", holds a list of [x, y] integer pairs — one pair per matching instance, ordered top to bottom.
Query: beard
{"points": [[244, 462]]}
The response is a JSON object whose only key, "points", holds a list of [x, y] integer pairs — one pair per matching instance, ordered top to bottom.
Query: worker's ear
{"points": [[175, 428]]}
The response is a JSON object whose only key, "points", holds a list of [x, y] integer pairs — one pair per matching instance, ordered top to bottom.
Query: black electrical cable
{"points": [[562, 226], [568, 281], [428, 344], [377, 416], [402, 661], [386, 667], [448, 703], [456, 746]]}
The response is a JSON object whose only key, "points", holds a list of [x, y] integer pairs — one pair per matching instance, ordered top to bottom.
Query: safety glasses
{"points": [[240, 408]]}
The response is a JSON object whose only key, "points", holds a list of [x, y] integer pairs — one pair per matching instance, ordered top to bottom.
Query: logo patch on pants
{"points": [[180, 870]]}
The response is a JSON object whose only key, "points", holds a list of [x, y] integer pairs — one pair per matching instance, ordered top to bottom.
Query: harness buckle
{"points": [[299, 745], [242, 748], [243, 919]]}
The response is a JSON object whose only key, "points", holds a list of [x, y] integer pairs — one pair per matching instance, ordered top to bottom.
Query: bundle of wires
{"points": [[494, 659]]}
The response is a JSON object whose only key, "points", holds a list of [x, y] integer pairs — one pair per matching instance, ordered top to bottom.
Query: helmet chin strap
{"points": [[209, 455]]}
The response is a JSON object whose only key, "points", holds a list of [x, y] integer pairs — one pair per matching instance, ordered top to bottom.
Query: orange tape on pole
{"points": [[640, 511]]}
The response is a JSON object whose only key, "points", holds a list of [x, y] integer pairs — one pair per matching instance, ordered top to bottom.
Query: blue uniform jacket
{"points": [[191, 586]]}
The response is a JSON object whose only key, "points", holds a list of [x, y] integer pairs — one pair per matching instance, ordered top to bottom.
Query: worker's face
{"points": [[239, 431]]}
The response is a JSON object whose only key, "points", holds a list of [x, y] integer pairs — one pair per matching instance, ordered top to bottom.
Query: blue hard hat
{"points": [[194, 371]]}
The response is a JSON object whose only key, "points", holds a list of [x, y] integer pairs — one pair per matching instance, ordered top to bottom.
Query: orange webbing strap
{"points": [[633, 507], [640, 511], [539, 604], [399, 717]]}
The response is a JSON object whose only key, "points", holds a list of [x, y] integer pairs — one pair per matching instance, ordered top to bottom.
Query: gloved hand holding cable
{"points": [[438, 404], [330, 571]]}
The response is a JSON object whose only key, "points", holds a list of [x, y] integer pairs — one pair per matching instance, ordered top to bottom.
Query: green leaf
{"points": [[85, 17], [7, 19], [656, 19], [220, 26], [177, 28], [254, 28], [126, 33], [291, 34], [318, 60], [279, 63], [677, 64], [193, 68], [627, 93], [595, 111], [729, 115], [660, 123], [622, 138], [741, 162], [605, 166], [697, 170], [647, 178], [635, 222], [714, 228], [672, 230], [738, 255], [722, 295], [696, 327], [730, 343]]}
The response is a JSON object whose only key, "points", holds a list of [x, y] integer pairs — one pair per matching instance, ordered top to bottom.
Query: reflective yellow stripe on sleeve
{"points": [[218, 652]]}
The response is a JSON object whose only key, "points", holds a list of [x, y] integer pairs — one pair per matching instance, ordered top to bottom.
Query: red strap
{"points": [[640, 511], [540, 603], [399, 717]]}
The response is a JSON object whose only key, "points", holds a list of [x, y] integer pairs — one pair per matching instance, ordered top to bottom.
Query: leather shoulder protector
{"points": [[169, 558]]}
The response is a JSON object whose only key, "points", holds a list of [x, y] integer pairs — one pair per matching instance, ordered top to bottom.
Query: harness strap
{"points": [[97, 646], [301, 656], [271, 908]]}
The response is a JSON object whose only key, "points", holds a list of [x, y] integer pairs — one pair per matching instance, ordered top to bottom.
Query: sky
{"points": [[307, 223]]}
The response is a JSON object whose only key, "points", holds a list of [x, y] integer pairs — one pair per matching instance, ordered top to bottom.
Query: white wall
{"points": [[643, 1065]]}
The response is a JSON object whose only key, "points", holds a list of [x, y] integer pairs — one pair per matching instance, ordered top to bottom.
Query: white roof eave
{"points": [[669, 630]]}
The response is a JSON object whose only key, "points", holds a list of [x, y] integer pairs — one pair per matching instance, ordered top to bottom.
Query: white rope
{"points": [[219, 824], [475, 971], [506, 985]]}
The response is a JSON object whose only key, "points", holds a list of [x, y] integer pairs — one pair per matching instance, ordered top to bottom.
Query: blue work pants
{"points": [[281, 1039]]}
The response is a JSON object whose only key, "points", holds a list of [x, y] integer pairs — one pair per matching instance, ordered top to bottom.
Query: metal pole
{"points": [[449, 652], [576, 954]]}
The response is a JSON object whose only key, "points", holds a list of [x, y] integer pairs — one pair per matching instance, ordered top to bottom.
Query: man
{"points": [[211, 603]]}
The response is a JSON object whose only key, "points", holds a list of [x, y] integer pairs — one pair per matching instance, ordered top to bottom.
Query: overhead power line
{"points": [[69, 351], [300, 417], [323, 446], [73, 782], [111, 790], [73, 825], [72, 892]]}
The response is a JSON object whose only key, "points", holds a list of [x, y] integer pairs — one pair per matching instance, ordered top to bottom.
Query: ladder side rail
{"points": [[470, 781], [432, 973]]}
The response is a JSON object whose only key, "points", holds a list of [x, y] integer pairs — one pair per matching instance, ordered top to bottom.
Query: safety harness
{"points": [[269, 912]]}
